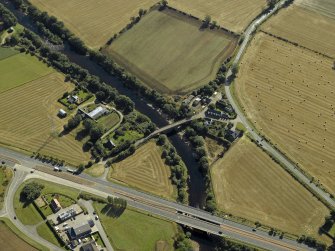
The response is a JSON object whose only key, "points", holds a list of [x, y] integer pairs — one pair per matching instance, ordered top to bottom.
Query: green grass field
{"points": [[7, 52], [169, 52], [19, 69], [109, 121], [29, 215], [136, 231], [45, 232]]}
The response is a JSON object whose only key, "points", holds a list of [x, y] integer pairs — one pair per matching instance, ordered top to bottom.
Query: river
{"points": [[196, 181]]}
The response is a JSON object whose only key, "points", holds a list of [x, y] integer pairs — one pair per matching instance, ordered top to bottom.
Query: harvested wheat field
{"points": [[234, 15], [95, 22], [310, 23], [169, 52], [289, 94], [29, 119], [145, 170], [248, 184], [10, 241]]}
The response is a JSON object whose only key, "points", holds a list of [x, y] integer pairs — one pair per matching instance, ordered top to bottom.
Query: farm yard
{"points": [[234, 15], [313, 20], [95, 22], [169, 52], [288, 93], [29, 111], [145, 170], [245, 186]]}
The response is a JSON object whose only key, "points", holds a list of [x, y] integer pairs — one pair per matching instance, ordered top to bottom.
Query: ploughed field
{"points": [[234, 15], [95, 22], [309, 23], [170, 53], [289, 94], [29, 109], [145, 170], [248, 184]]}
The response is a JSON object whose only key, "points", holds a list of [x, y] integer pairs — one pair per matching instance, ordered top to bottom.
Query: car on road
{"points": [[96, 217]]}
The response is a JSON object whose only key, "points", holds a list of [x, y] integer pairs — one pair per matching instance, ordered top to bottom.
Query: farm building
{"points": [[73, 99], [188, 100], [97, 112], [62, 113], [215, 114], [55, 205], [66, 215], [80, 231], [88, 247]]}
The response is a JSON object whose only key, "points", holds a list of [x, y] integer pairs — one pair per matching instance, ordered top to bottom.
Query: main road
{"points": [[289, 165], [181, 214]]}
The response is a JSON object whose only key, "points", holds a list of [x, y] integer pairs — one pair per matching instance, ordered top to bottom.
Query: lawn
{"points": [[233, 15], [95, 22], [7, 52], [169, 52], [19, 69], [288, 94], [29, 112], [109, 121], [128, 135], [145, 170], [5, 177], [247, 183], [29, 215], [136, 231], [46, 233], [13, 240]]}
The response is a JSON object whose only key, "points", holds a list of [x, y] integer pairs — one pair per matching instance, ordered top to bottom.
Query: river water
{"points": [[196, 182]]}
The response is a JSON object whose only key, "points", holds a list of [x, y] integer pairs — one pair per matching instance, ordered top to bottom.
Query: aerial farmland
{"points": [[234, 15], [313, 20], [95, 22], [170, 53], [288, 93], [29, 109], [145, 170], [244, 187]]}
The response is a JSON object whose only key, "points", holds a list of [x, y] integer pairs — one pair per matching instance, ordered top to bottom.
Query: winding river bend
{"points": [[196, 181]]}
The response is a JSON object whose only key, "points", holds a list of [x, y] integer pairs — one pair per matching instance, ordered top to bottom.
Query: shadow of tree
{"points": [[113, 210]]}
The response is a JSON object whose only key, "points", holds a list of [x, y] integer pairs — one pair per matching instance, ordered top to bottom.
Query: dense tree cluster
{"points": [[7, 17], [195, 135], [177, 166], [31, 191], [182, 242], [223, 244]]}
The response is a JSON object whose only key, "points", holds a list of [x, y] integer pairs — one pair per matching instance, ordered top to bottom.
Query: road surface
{"points": [[173, 211]]}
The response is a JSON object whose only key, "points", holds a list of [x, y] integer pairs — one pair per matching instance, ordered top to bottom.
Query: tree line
{"points": [[7, 17], [178, 169]]}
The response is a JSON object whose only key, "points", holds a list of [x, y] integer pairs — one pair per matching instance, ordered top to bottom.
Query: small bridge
{"points": [[169, 127]]}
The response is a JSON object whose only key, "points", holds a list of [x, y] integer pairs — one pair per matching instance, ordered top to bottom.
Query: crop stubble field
{"points": [[234, 15], [95, 22], [310, 23], [169, 52], [288, 93], [29, 107], [146, 170], [245, 186], [9, 241]]}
